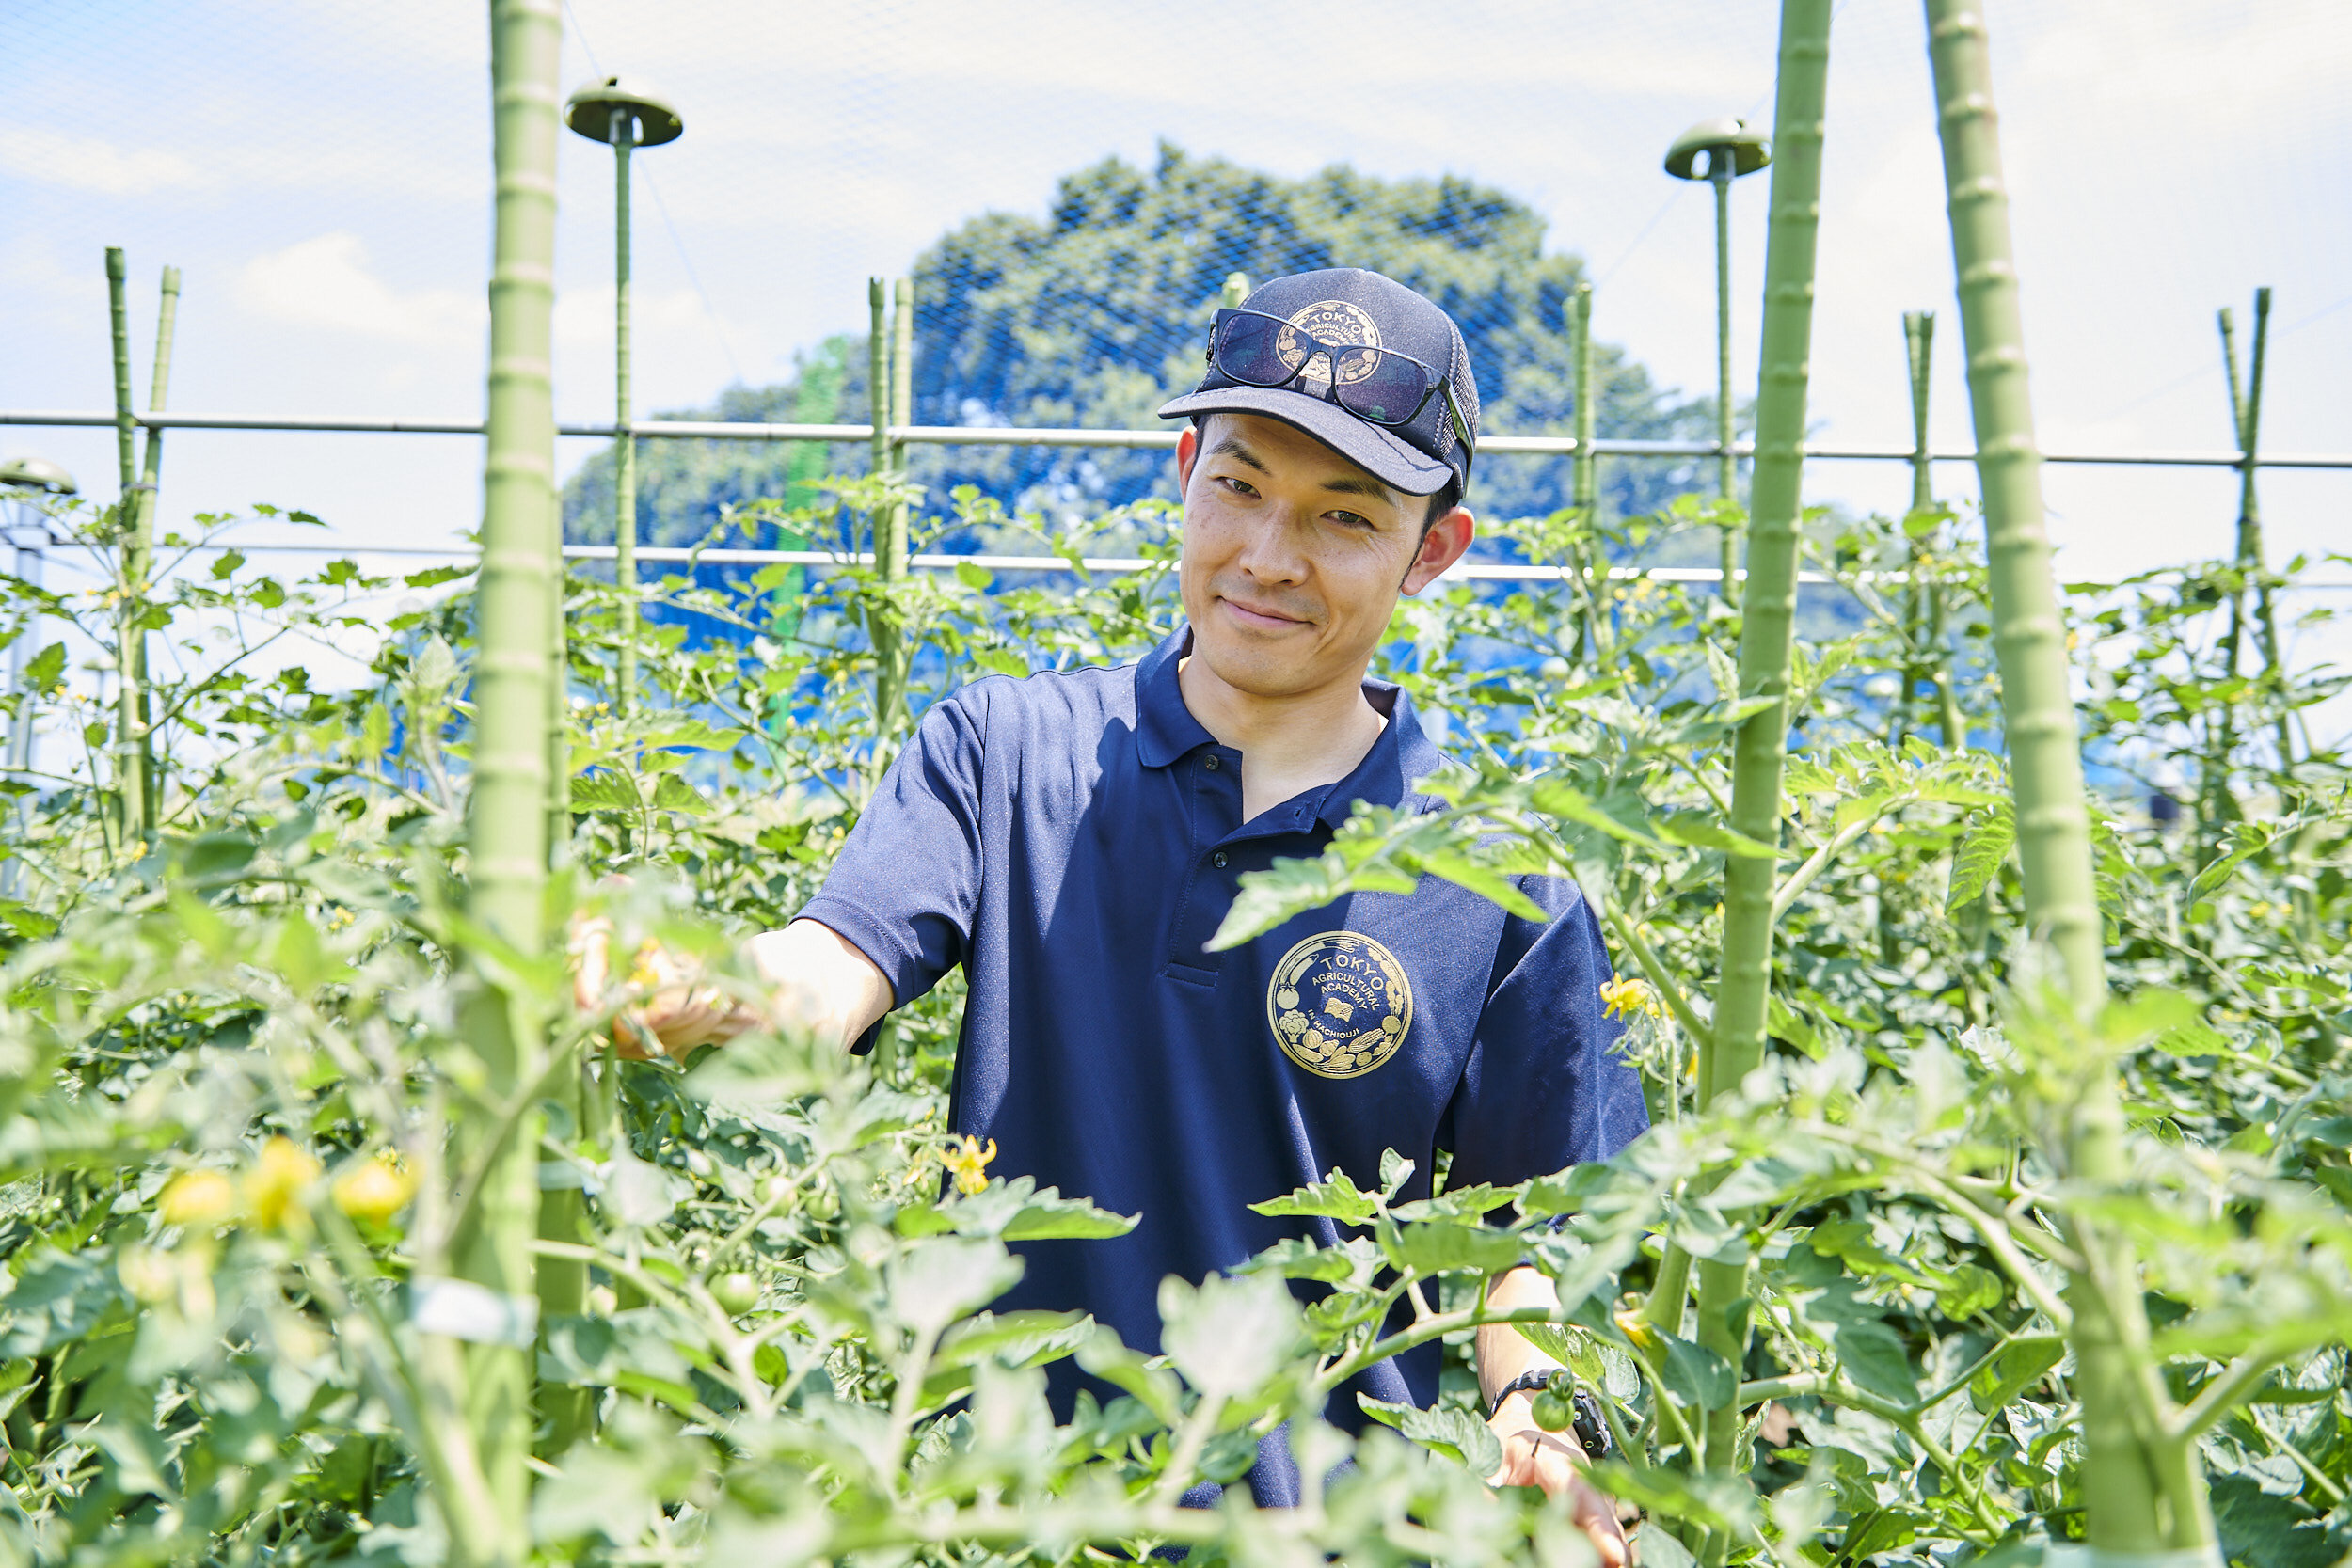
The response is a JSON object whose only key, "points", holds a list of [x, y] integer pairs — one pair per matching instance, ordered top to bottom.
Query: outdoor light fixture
{"points": [[625, 116], [1731, 149], [37, 473]]}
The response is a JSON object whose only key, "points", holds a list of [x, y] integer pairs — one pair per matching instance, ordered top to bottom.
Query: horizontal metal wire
{"points": [[1005, 436], [1465, 571]]}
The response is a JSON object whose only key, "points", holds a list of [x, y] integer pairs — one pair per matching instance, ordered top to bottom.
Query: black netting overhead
{"points": [[1095, 311]]}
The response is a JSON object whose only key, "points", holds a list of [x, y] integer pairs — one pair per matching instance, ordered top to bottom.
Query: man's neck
{"points": [[1288, 744]]}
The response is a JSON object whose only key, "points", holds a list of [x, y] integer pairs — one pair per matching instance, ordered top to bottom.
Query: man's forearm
{"points": [[817, 980], [1504, 1351]]}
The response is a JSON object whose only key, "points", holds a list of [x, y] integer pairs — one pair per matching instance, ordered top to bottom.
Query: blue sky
{"points": [[319, 171]]}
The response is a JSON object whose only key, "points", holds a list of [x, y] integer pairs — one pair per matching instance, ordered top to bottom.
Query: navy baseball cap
{"points": [[1349, 307]]}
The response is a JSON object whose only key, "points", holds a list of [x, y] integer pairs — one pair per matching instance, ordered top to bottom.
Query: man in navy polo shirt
{"points": [[1073, 840]]}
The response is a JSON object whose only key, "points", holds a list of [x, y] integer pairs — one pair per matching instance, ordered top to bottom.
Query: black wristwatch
{"points": [[1591, 1426]]}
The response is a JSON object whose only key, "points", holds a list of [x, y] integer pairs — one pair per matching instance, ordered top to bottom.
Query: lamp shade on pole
{"points": [[589, 112]]}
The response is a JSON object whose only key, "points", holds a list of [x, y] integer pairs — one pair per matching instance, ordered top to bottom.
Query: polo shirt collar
{"points": [[1165, 732]]}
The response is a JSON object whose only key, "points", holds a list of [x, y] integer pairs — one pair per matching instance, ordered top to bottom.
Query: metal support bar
{"points": [[1529, 445]]}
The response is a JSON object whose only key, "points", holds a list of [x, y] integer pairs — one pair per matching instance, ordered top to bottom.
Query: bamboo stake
{"points": [[1235, 291], [2246, 411], [126, 423], [1586, 487], [1585, 494], [130, 780], [140, 786], [509, 817], [1735, 1045], [2140, 1495]]}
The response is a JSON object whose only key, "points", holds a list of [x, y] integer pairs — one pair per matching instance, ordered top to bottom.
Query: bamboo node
{"points": [[1959, 24], [1969, 105], [1984, 187], [1994, 270], [1998, 357]]}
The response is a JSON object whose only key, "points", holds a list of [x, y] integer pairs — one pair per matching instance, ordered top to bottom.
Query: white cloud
{"points": [[90, 164], [325, 281]]}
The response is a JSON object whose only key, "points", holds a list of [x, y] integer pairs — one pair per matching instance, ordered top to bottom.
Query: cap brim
{"points": [[1386, 458]]}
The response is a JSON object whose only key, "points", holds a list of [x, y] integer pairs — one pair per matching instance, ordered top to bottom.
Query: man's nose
{"points": [[1272, 552]]}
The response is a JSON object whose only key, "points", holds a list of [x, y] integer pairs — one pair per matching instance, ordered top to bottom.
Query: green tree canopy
{"points": [[1096, 313]]}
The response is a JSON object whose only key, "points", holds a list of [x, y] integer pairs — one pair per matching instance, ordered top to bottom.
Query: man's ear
{"points": [[1187, 449], [1440, 547]]}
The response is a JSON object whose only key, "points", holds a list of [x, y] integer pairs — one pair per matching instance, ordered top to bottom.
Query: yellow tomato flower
{"points": [[645, 975], [1624, 996], [969, 1160], [273, 1188], [375, 1189], [198, 1199], [1636, 1328]]}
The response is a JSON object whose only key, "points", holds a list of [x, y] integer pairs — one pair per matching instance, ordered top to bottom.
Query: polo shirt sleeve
{"points": [[906, 884], [1543, 1088]]}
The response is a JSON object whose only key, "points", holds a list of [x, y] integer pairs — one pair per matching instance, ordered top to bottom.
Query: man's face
{"points": [[1293, 556]]}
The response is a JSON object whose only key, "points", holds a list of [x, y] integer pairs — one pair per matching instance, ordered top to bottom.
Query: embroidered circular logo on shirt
{"points": [[1334, 322], [1339, 1004]]}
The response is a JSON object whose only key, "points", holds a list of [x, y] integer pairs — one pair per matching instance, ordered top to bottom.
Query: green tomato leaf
{"points": [[1977, 860], [1335, 1197], [1875, 1358]]}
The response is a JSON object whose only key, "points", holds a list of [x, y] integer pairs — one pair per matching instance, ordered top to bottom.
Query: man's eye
{"points": [[1242, 485], [1349, 519]]}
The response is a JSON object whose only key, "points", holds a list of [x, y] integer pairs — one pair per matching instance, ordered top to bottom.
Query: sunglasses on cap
{"points": [[1377, 385]]}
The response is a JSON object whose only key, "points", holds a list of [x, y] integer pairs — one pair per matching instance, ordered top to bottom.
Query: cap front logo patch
{"points": [[1334, 322], [1339, 1004]]}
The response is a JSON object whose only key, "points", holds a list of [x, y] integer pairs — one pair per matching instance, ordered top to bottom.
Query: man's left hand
{"points": [[1534, 1457]]}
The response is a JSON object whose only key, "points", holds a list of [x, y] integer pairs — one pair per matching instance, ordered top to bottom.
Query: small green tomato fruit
{"points": [[736, 1293], [1551, 1411]]}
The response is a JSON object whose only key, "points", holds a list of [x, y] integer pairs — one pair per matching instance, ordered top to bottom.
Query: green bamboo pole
{"points": [[1235, 291], [2245, 412], [126, 422], [624, 464], [1586, 480], [1584, 493], [889, 542], [894, 554], [130, 780], [142, 789], [508, 853], [1736, 1046], [2140, 1495]]}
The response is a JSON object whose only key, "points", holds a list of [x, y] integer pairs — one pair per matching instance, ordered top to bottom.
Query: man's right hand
{"points": [[816, 979], [669, 1013]]}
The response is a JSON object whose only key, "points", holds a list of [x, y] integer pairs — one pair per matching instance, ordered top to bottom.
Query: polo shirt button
{"points": [[1212, 764], [1217, 859]]}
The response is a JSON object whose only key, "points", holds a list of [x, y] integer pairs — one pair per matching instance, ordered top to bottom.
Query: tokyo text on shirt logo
{"points": [[1334, 322], [1339, 1004]]}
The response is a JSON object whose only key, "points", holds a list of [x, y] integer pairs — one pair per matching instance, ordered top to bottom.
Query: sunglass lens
{"points": [[1246, 351], [1390, 393]]}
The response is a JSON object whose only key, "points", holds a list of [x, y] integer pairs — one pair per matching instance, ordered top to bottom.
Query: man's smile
{"points": [[1260, 617]]}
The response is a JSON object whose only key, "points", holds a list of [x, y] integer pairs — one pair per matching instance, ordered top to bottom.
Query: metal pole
{"points": [[1719, 170], [624, 456]]}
